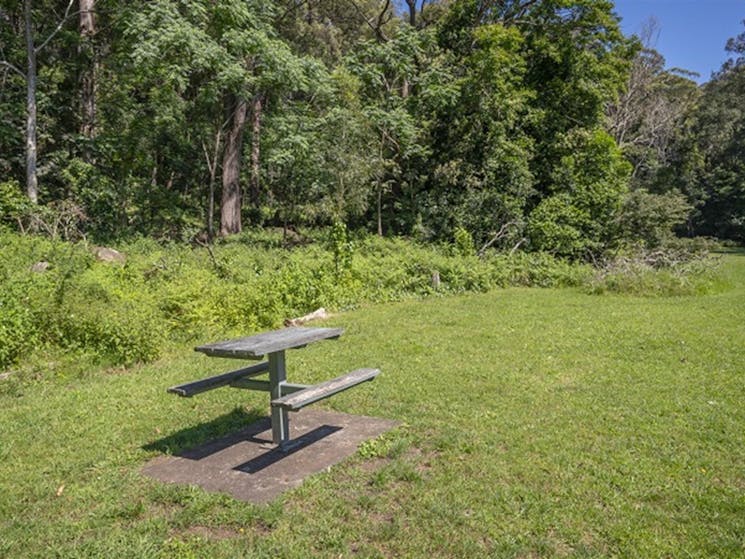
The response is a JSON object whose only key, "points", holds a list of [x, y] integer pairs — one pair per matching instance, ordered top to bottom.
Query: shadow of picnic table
{"points": [[192, 440]]}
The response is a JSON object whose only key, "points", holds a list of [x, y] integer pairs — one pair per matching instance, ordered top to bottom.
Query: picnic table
{"points": [[270, 348]]}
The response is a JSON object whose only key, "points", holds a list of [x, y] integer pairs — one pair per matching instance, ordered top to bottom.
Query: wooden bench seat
{"points": [[191, 388], [301, 398]]}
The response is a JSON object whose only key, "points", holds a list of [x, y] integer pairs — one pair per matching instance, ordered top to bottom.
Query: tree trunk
{"points": [[412, 12], [87, 53], [256, 111], [212, 166], [32, 184], [380, 187], [230, 206], [380, 209]]}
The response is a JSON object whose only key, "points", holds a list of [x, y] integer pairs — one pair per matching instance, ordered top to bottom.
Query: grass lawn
{"points": [[536, 423]]}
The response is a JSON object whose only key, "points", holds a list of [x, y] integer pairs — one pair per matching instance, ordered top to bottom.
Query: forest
{"points": [[518, 124]]}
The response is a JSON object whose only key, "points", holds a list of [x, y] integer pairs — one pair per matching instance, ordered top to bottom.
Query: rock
{"points": [[104, 254], [40, 267]]}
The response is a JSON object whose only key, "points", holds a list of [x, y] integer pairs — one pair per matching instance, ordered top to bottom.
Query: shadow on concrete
{"points": [[189, 442], [276, 454], [236, 456]]}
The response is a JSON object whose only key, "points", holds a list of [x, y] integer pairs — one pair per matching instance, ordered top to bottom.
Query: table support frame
{"points": [[280, 417]]}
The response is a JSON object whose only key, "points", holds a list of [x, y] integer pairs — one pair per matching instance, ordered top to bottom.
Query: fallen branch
{"points": [[208, 246], [514, 248], [315, 315]]}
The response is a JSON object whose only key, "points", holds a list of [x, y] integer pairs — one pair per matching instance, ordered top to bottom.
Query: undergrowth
{"points": [[683, 267], [56, 295]]}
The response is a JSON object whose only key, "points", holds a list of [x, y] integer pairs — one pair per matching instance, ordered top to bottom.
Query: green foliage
{"points": [[482, 116], [718, 158], [705, 159], [481, 176], [14, 205], [104, 205], [62, 218], [651, 218], [580, 219], [556, 226], [463, 242], [342, 248], [539, 269], [165, 294], [27, 296], [74, 304], [107, 310], [19, 328], [118, 332], [387, 445]]}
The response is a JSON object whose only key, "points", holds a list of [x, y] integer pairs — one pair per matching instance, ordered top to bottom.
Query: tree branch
{"points": [[292, 8], [521, 10], [380, 22], [59, 26], [375, 27], [12, 67], [498, 235]]}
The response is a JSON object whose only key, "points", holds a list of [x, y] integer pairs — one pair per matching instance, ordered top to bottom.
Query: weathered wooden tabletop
{"points": [[255, 347]]}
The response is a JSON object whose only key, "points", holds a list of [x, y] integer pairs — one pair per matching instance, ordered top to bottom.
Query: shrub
{"points": [[14, 205], [580, 218], [650, 218], [556, 226], [463, 242], [342, 248], [538, 269], [670, 271], [174, 293], [106, 309], [19, 332], [122, 333]]}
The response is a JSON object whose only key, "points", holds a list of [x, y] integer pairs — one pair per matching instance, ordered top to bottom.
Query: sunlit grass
{"points": [[536, 423]]}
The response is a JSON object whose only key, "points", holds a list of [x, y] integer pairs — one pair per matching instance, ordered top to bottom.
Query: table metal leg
{"points": [[280, 419]]}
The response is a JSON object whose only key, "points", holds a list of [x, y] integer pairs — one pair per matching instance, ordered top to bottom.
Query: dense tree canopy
{"points": [[522, 122], [715, 157]]}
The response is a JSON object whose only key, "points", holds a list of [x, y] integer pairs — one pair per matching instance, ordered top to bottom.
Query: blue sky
{"points": [[692, 32]]}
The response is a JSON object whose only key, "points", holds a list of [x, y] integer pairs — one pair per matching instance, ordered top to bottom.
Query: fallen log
{"points": [[315, 315]]}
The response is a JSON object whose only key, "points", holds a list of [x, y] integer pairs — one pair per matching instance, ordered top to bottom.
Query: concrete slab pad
{"points": [[246, 464]]}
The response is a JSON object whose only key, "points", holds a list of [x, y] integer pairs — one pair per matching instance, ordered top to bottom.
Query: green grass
{"points": [[536, 423]]}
